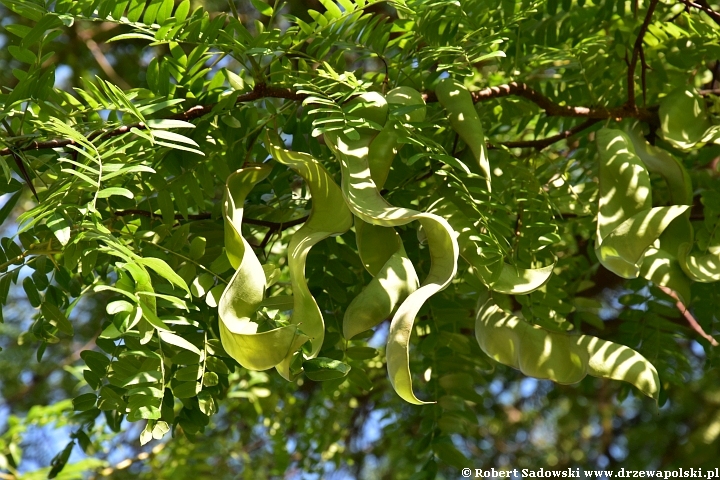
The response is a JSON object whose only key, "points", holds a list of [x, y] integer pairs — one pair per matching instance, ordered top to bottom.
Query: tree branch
{"points": [[703, 6], [637, 50], [262, 90], [553, 109], [541, 143], [273, 226], [688, 316]]}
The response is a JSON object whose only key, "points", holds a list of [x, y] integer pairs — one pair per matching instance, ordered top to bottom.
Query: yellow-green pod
{"points": [[684, 120], [465, 121], [365, 201], [329, 216], [627, 223], [380, 248], [660, 265], [703, 268], [242, 297], [559, 357]]}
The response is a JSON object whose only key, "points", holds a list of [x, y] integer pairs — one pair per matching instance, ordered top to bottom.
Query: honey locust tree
{"points": [[358, 238]]}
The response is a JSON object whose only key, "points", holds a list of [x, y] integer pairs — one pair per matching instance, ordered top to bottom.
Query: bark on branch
{"points": [[267, 91]]}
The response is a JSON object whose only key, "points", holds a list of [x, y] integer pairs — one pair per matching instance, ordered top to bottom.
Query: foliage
{"points": [[330, 192]]}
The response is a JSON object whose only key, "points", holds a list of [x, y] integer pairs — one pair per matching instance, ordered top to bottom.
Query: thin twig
{"points": [[705, 8], [636, 53], [102, 60], [262, 90], [541, 143], [274, 226], [688, 316]]}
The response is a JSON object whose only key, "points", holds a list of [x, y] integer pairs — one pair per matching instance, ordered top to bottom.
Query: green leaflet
{"points": [[684, 120], [465, 121], [385, 144], [365, 202], [329, 216], [627, 222], [381, 249], [511, 280], [242, 297], [559, 357]]}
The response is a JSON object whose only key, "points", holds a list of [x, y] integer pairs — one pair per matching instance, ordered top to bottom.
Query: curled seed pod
{"points": [[684, 119], [465, 121], [365, 201], [329, 216], [627, 223], [381, 249], [660, 265], [703, 268], [511, 280], [392, 284], [243, 295], [559, 357]]}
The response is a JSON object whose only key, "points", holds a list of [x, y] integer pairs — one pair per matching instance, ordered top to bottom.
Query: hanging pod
{"points": [[456, 99], [684, 120], [365, 201], [329, 216], [627, 223], [380, 248], [661, 263], [699, 267], [242, 297], [555, 356]]}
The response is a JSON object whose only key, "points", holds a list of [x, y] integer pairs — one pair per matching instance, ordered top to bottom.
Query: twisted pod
{"points": [[364, 200], [329, 216], [627, 223], [380, 248], [242, 297], [555, 356]]}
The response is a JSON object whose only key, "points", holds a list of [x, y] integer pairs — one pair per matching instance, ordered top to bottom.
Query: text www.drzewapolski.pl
{"points": [[517, 473]]}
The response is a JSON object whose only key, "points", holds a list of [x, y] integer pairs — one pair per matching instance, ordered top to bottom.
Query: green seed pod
{"points": [[684, 120], [465, 121], [383, 147], [365, 201], [329, 216], [627, 222], [380, 248], [660, 265], [703, 268], [392, 284], [242, 297], [559, 357]]}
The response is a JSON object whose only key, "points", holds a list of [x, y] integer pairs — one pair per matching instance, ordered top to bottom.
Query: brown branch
{"points": [[703, 6], [636, 54], [102, 60], [262, 90], [553, 109], [541, 143], [273, 226], [688, 316]]}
